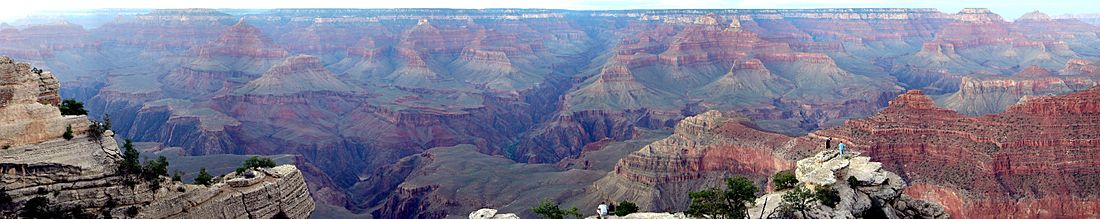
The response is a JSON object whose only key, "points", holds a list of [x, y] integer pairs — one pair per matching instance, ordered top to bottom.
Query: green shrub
{"points": [[72, 107], [106, 121], [95, 132], [68, 133], [255, 162], [129, 164], [155, 168], [177, 176], [203, 178], [784, 180], [853, 182], [827, 195], [796, 200], [728, 203], [625, 208], [549, 209]]}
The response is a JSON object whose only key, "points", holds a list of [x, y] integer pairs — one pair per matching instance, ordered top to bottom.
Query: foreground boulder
{"points": [[863, 187]]}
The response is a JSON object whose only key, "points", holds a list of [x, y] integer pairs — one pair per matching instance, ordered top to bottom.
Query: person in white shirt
{"points": [[602, 210]]}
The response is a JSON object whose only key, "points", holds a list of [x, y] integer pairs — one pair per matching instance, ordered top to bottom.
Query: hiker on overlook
{"points": [[828, 142], [841, 148], [601, 210]]}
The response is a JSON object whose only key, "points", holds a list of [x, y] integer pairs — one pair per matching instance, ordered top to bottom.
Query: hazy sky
{"points": [[1010, 9]]}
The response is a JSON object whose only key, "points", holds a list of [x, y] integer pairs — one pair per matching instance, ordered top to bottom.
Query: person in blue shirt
{"points": [[841, 148]]}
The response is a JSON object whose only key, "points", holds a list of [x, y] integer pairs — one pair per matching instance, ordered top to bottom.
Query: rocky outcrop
{"points": [[28, 106], [81, 174], [863, 188], [489, 213]]}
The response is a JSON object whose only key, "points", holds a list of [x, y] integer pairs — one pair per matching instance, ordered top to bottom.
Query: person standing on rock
{"points": [[828, 142], [841, 148], [602, 210]]}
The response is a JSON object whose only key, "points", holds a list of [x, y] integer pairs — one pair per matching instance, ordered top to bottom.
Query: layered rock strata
{"points": [[1034, 159], [81, 174]]}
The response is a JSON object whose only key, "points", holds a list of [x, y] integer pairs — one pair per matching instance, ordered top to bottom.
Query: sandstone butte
{"points": [[81, 173]]}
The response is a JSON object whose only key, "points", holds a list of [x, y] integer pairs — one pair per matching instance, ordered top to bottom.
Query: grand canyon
{"points": [[436, 113]]}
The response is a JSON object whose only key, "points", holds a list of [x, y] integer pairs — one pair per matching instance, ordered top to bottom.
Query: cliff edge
{"points": [[79, 176]]}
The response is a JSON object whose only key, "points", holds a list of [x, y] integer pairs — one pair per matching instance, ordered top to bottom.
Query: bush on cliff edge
{"points": [[72, 107], [255, 162], [203, 178], [784, 180], [728, 203], [625, 208], [549, 209]]}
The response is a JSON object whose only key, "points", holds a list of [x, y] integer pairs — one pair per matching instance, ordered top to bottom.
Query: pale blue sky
{"points": [[1010, 9]]}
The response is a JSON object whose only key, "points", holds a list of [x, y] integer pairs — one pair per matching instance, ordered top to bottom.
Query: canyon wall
{"points": [[532, 85], [1031, 160], [81, 174]]}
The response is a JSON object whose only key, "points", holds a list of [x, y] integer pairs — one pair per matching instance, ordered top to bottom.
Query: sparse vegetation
{"points": [[72, 107], [106, 121], [95, 132], [68, 133], [255, 162], [129, 164], [153, 170], [150, 172], [177, 176], [203, 178], [784, 180], [853, 182], [827, 195], [797, 200], [728, 203], [625, 208], [549, 209]]}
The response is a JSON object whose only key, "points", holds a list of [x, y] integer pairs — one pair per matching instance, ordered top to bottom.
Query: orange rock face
{"points": [[1037, 159]]}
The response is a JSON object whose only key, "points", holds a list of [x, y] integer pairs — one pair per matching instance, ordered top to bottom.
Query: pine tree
{"points": [[203, 178]]}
